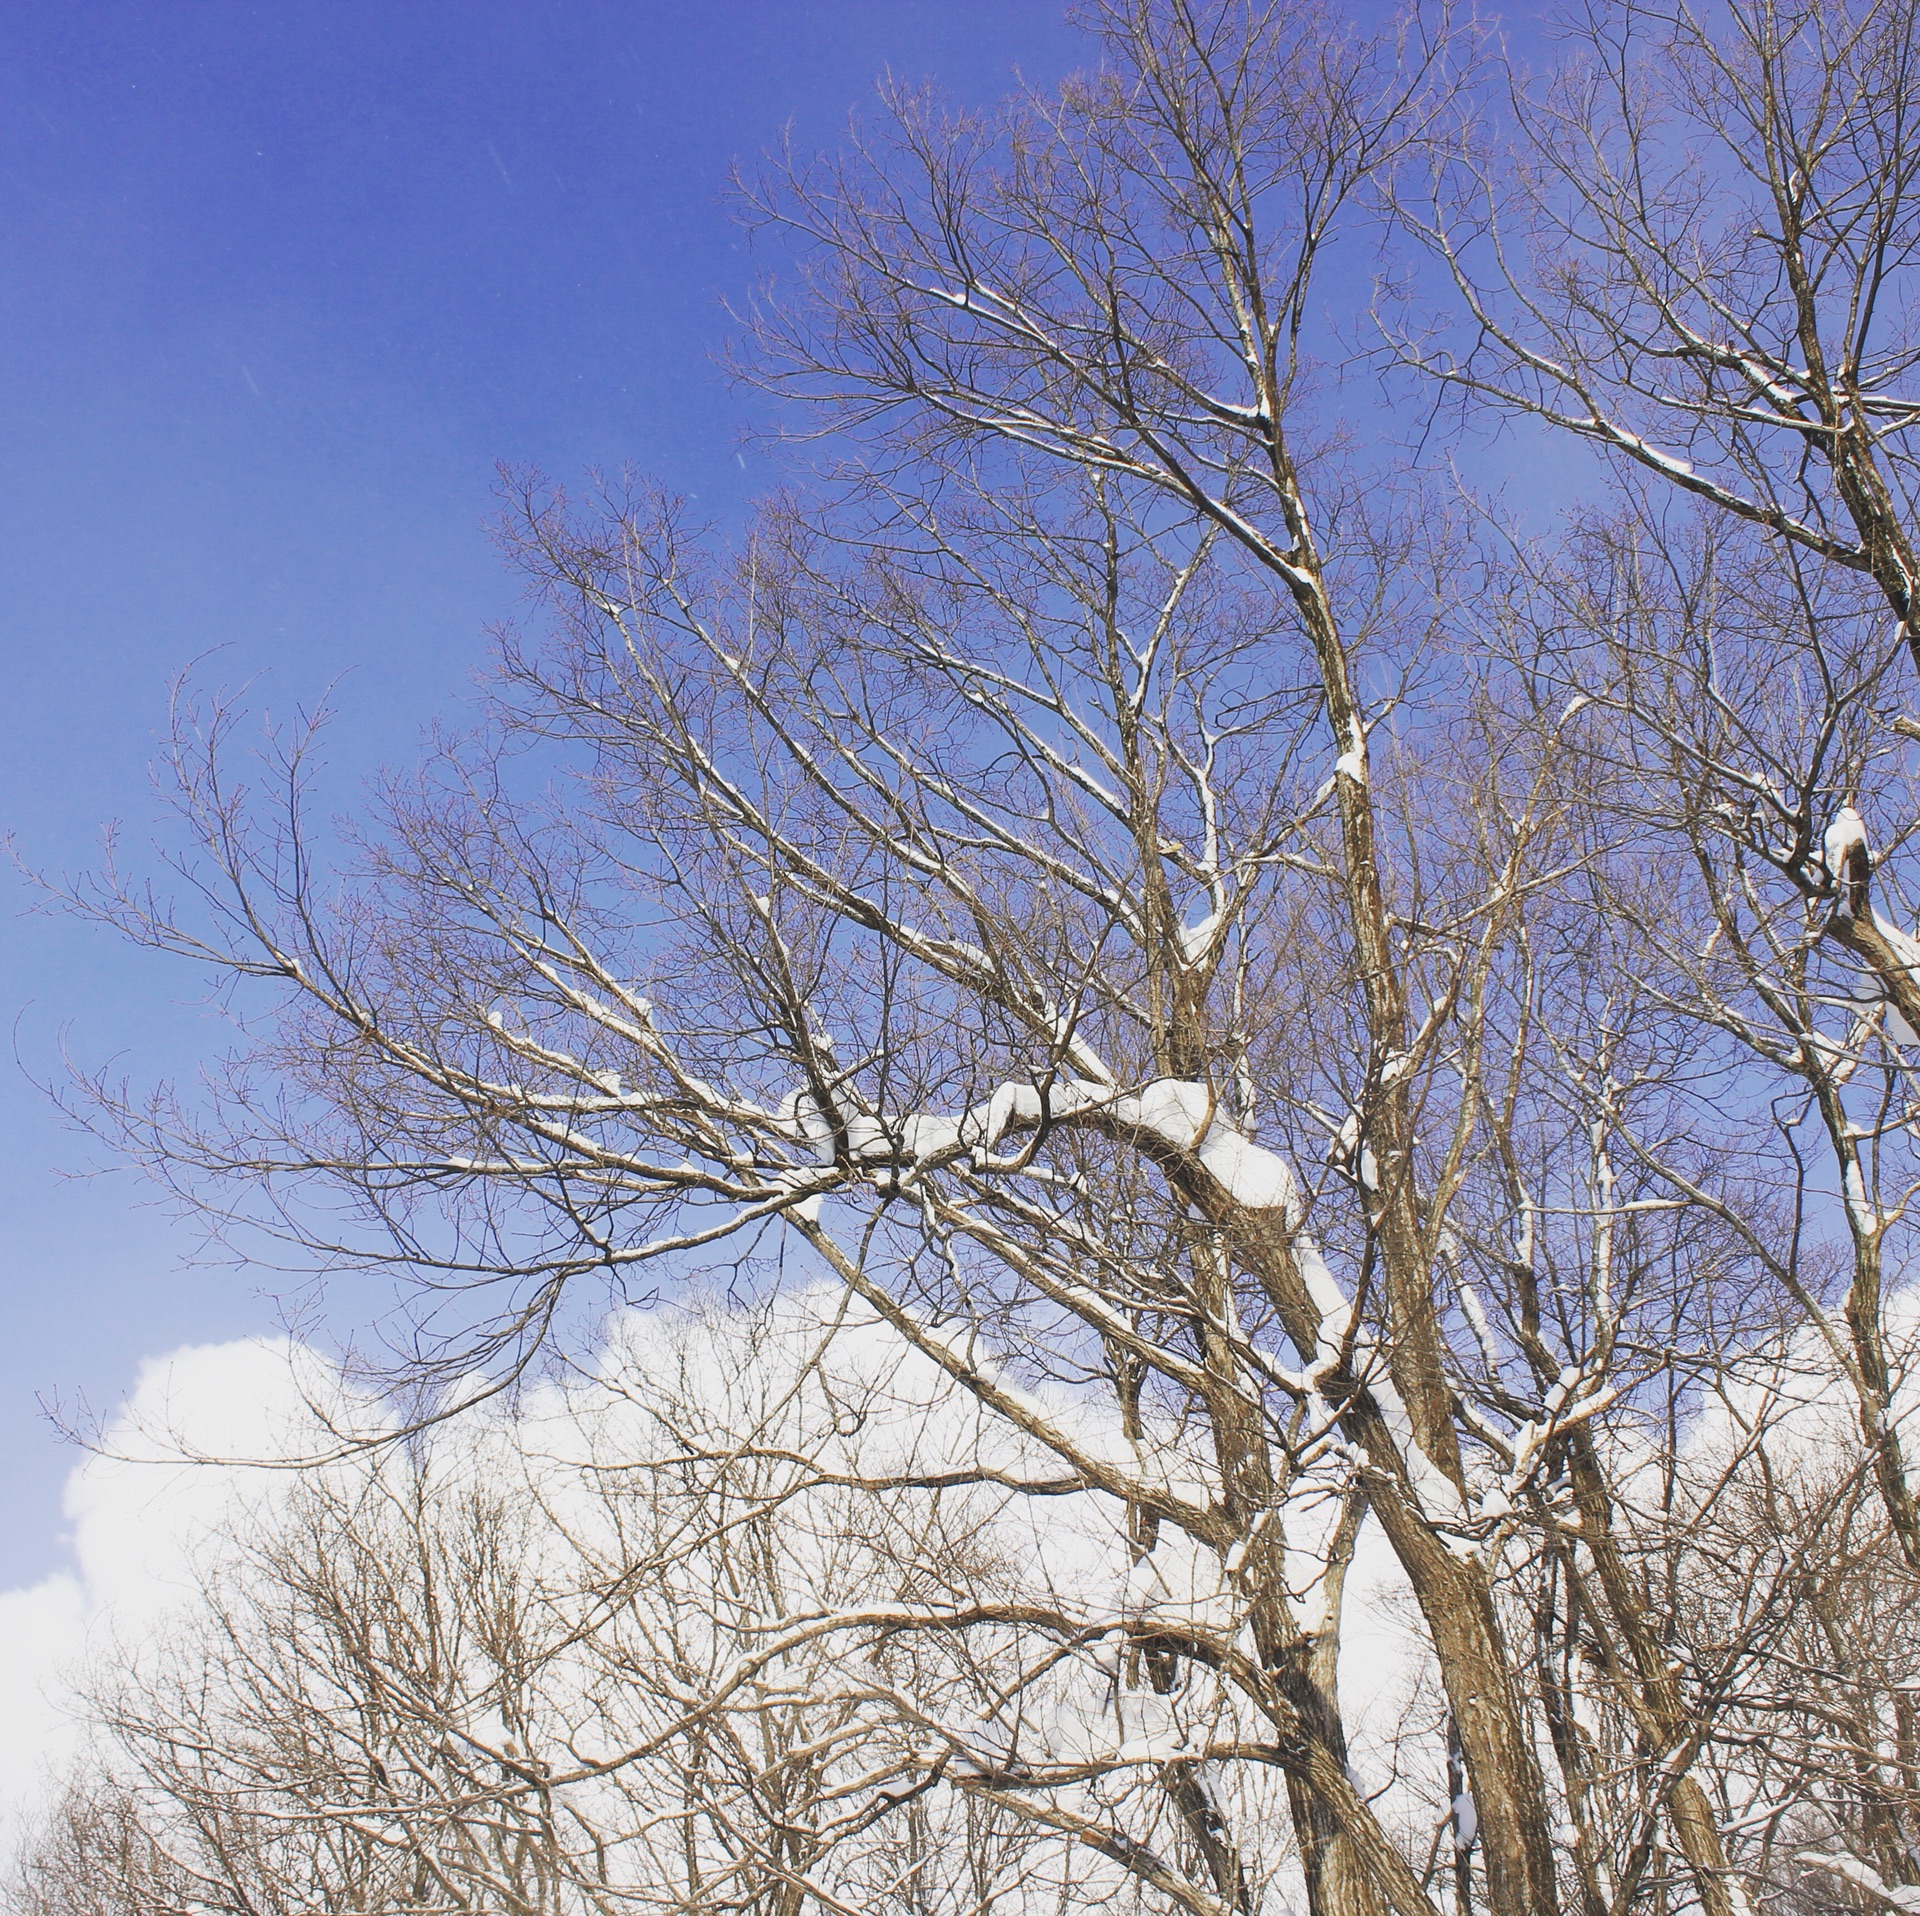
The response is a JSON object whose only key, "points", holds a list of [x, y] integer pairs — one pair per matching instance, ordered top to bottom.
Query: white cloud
{"points": [[135, 1526], [42, 1630]]}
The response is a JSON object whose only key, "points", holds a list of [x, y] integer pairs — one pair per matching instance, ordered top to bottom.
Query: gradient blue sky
{"points": [[278, 285]]}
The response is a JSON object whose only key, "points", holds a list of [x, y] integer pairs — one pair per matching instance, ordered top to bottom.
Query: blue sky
{"points": [[278, 286]]}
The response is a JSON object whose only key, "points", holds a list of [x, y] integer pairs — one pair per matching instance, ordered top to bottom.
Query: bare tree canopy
{"points": [[1333, 1020]]}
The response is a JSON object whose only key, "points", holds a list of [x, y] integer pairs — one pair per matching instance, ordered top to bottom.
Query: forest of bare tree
{"points": [[1230, 1011]]}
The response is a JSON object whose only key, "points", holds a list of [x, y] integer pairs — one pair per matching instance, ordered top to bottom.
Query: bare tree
{"points": [[1694, 245], [1302, 1012], [651, 1646]]}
